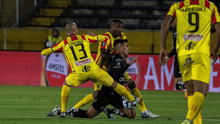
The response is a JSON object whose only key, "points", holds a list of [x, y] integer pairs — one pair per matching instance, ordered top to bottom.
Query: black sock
{"points": [[80, 113]]}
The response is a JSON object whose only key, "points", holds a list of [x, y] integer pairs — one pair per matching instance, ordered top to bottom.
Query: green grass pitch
{"points": [[29, 105]]}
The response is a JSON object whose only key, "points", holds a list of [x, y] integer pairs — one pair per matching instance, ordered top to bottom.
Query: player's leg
{"points": [[104, 78], [197, 78], [71, 80], [135, 91], [197, 91], [64, 98], [88, 98], [117, 102], [145, 113], [198, 119]]}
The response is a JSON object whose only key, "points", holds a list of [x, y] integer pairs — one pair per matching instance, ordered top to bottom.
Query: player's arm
{"points": [[216, 22], [164, 34], [95, 38], [56, 48], [104, 48], [172, 53]]}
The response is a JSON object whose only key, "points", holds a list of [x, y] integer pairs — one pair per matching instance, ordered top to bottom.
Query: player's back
{"points": [[194, 19], [78, 54]]}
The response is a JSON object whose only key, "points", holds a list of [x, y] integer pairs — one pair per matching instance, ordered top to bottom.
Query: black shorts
{"points": [[177, 73], [107, 96]]}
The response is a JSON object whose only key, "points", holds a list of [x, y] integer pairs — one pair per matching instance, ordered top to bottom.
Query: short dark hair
{"points": [[117, 21], [116, 42]]}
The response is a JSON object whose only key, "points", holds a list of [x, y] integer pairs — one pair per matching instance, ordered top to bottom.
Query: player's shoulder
{"points": [[178, 5], [211, 5], [107, 34], [123, 34]]}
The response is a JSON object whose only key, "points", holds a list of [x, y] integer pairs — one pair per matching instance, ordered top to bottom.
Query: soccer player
{"points": [[194, 19], [77, 51], [104, 53], [116, 68], [177, 73]]}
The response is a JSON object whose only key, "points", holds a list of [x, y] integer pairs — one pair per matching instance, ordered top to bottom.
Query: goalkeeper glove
{"points": [[180, 86]]}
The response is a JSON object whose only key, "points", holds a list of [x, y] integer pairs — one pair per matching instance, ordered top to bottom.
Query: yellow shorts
{"points": [[195, 67], [98, 76], [99, 86]]}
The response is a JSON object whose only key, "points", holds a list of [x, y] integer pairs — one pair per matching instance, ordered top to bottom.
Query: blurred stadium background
{"points": [[25, 26]]}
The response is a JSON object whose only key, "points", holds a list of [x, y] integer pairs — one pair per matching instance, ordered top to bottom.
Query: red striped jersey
{"points": [[194, 20], [107, 45], [77, 51]]}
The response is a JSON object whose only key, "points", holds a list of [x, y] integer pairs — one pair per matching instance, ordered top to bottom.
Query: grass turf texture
{"points": [[30, 105]]}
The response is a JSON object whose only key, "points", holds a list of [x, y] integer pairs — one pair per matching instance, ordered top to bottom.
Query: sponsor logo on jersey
{"points": [[193, 37], [83, 62]]}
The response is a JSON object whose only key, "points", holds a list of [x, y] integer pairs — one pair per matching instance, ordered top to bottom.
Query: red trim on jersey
{"points": [[194, 2], [181, 4], [207, 4], [174, 14], [213, 18], [107, 35], [73, 37], [83, 37], [65, 41], [92, 41], [105, 43], [59, 50], [98, 59]]}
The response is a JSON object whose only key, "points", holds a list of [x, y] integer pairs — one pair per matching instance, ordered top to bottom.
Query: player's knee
{"points": [[114, 84], [131, 84]]}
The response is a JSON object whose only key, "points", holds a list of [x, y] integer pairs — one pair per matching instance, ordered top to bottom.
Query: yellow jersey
{"points": [[194, 20], [107, 44], [77, 51]]}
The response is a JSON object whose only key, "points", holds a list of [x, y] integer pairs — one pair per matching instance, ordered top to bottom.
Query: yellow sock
{"points": [[121, 90], [185, 94], [64, 97], [85, 100], [195, 103], [141, 104], [198, 119]]}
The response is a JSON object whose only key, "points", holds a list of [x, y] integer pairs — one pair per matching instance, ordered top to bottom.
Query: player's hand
{"points": [[46, 51], [214, 56], [163, 59], [131, 60]]}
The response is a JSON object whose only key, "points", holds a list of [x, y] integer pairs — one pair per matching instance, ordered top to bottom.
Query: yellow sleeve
{"points": [[172, 10], [215, 15], [95, 38], [59, 46], [46, 51]]}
